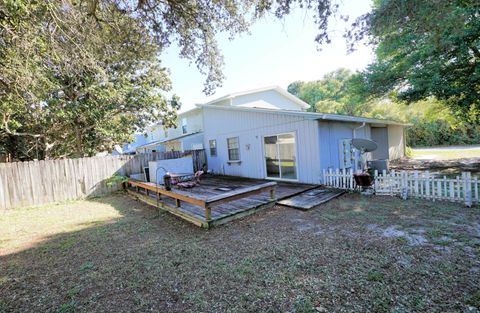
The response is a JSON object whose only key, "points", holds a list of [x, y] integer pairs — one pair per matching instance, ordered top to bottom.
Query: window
{"points": [[184, 125], [213, 147], [233, 149]]}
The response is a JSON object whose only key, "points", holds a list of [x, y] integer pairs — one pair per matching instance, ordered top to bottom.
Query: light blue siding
{"points": [[270, 99], [251, 127], [330, 135], [191, 142]]}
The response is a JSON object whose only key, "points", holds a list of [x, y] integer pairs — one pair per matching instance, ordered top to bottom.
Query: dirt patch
{"points": [[413, 239], [353, 254]]}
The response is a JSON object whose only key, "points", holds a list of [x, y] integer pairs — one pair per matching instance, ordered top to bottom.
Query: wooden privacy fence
{"points": [[41, 182], [416, 184]]}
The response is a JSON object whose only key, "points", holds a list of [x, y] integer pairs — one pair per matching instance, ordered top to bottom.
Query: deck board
{"points": [[311, 198]]}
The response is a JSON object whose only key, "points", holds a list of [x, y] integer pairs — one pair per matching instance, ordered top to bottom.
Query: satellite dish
{"points": [[364, 145]]}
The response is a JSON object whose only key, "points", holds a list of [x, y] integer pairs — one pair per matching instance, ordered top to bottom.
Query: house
{"points": [[267, 133], [188, 135], [130, 148]]}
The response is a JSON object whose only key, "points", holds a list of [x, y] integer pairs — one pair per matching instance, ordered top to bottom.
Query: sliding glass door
{"points": [[280, 161]]}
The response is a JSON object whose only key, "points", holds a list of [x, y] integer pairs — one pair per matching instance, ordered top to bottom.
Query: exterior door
{"points": [[380, 136], [280, 156]]}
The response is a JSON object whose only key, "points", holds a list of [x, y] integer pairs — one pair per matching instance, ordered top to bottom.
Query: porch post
{"points": [[208, 214]]}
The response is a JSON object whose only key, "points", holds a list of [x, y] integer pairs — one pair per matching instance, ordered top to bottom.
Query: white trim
{"points": [[278, 89], [210, 148], [239, 152], [296, 157]]}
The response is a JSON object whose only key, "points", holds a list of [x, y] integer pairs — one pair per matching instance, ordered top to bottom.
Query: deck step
{"points": [[311, 198]]}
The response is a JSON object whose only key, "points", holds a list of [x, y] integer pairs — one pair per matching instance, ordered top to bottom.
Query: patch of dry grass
{"points": [[24, 228], [354, 254]]}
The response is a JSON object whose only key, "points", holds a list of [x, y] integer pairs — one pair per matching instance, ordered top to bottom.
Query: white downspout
{"points": [[356, 128], [354, 136]]}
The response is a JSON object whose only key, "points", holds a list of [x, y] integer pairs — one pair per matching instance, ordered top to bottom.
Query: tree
{"points": [[425, 48], [78, 76], [73, 87], [340, 92], [433, 122]]}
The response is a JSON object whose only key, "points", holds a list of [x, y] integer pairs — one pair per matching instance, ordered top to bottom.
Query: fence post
{"points": [[337, 174], [350, 174], [330, 177], [415, 177], [404, 185], [427, 185], [475, 186], [433, 188], [467, 188], [439, 189], [452, 190], [459, 194]]}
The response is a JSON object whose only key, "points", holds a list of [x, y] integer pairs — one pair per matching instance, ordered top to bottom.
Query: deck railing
{"points": [[412, 184], [202, 201]]}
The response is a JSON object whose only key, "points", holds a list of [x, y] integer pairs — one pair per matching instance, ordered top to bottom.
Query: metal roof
{"points": [[311, 115], [157, 142]]}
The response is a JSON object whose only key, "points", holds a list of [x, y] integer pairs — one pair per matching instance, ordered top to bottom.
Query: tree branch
{"points": [[14, 133]]}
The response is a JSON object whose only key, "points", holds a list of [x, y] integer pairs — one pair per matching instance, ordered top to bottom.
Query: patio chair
{"points": [[192, 183]]}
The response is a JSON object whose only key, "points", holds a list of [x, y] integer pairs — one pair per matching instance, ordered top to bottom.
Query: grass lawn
{"points": [[447, 153], [354, 254]]}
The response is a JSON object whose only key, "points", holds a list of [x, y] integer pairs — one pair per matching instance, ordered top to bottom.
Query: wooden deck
{"points": [[217, 200]]}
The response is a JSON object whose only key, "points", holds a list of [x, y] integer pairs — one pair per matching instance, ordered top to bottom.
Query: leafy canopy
{"points": [[425, 48], [78, 76], [72, 86], [339, 92], [433, 123]]}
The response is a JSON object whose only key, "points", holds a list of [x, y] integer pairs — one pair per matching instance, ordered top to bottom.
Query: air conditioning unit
{"points": [[379, 165]]}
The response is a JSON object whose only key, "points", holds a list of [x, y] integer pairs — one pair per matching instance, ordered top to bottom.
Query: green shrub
{"points": [[115, 180]]}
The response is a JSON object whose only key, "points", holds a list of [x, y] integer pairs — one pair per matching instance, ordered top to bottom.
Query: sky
{"points": [[276, 52]]}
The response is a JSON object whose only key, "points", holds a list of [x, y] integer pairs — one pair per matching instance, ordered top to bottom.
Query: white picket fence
{"points": [[414, 184]]}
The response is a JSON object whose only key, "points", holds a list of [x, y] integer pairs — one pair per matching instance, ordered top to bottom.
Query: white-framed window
{"points": [[184, 125], [213, 147], [233, 149]]}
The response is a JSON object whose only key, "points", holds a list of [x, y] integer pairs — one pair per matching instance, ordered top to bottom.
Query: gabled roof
{"points": [[278, 89], [311, 115]]}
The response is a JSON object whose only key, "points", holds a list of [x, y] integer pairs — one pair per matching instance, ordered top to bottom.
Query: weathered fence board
{"points": [[41, 182], [415, 184]]}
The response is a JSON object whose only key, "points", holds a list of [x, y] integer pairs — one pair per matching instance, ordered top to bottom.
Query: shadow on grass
{"points": [[105, 261], [140, 262]]}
